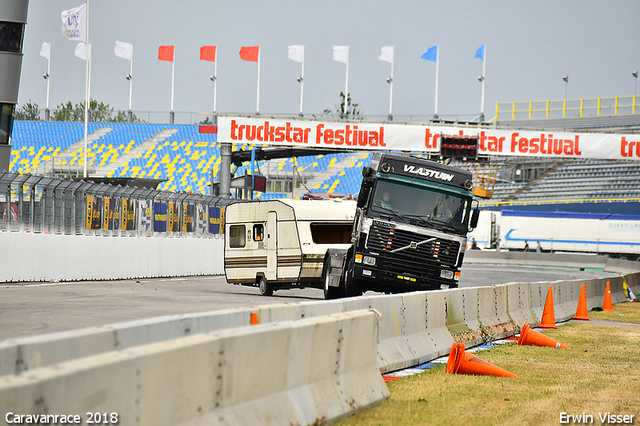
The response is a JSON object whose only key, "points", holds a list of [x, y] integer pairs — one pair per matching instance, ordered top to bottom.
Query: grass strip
{"points": [[600, 374]]}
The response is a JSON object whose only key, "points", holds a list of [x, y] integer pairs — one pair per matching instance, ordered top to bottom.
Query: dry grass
{"points": [[625, 312], [600, 374]]}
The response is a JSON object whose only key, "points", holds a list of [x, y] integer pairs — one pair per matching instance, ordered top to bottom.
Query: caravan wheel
{"points": [[266, 289]]}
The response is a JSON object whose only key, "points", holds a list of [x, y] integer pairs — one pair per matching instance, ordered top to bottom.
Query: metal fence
{"points": [[33, 203]]}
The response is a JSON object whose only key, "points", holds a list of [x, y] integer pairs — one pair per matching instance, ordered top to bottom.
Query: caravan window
{"points": [[258, 232], [331, 233], [236, 236]]}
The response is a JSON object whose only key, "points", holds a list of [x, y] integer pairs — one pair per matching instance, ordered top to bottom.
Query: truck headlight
{"points": [[369, 260], [447, 275]]}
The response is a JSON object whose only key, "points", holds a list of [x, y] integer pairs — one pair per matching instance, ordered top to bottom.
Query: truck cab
{"points": [[410, 229]]}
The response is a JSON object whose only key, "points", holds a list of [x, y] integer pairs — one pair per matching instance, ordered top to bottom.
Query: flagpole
{"points": [[484, 68], [131, 77], [437, 77], [48, 78], [173, 80], [302, 81], [215, 82], [346, 85], [391, 85], [86, 92], [258, 96]]}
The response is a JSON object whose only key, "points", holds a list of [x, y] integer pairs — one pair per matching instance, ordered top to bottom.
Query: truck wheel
{"points": [[351, 287], [266, 289], [329, 292]]}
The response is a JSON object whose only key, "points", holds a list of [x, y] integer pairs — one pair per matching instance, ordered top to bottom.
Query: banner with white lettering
{"points": [[416, 137]]}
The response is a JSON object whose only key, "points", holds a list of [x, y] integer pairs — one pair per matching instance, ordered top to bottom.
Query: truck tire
{"points": [[351, 285], [266, 289], [329, 292]]}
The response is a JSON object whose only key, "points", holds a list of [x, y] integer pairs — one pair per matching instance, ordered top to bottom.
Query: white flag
{"points": [[74, 23], [46, 50], [124, 50], [81, 51], [296, 53], [341, 54], [386, 54]]}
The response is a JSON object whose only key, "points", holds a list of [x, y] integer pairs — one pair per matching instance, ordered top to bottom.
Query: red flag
{"points": [[165, 53], [208, 53], [250, 53]]}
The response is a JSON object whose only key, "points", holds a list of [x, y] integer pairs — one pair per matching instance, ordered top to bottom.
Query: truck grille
{"points": [[415, 259]]}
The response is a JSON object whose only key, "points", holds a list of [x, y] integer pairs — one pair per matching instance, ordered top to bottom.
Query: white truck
{"points": [[615, 235], [281, 244]]}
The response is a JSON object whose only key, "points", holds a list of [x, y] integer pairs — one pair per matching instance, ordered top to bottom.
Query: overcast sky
{"points": [[531, 45]]}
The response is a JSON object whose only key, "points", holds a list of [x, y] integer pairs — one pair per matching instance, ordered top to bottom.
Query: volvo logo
{"points": [[413, 245]]}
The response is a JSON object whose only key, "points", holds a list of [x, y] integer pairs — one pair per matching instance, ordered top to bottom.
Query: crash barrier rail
{"points": [[40, 204], [413, 328], [310, 371]]}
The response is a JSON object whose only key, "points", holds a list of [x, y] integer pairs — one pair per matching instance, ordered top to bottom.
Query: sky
{"points": [[531, 45]]}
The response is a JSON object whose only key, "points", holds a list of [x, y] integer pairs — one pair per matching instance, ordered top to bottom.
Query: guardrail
{"points": [[413, 328]]}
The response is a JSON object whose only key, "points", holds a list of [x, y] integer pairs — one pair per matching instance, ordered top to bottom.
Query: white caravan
{"points": [[281, 244]]}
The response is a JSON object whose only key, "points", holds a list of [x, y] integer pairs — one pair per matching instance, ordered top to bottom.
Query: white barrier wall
{"points": [[51, 257], [311, 371]]}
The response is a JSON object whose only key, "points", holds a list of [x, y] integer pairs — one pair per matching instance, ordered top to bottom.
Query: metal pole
{"points": [[484, 69], [437, 77], [302, 81], [215, 82], [173, 85], [346, 85], [391, 86], [86, 92], [258, 95], [46, 111], [130, 114], [225, 169]]}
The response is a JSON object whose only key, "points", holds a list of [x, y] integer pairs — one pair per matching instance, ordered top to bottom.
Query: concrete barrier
{"points": [[73, 257], [537, 259], [519, 304], [492, 312], [462, 316], [305, 372]]}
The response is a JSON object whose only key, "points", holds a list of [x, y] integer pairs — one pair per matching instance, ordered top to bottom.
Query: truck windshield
{"points": [[412, 204]]}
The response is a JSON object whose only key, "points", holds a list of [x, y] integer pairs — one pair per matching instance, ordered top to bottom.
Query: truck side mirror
{"points": [[475, 215]]}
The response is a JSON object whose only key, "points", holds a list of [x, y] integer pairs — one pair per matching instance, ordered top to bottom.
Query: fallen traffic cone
{"points": [[606, 303], [581, 312], [548, 315], [530, 337], [461, 362]]}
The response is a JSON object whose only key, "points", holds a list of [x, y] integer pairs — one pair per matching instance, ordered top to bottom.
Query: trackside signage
{"points": [[414, 137]]}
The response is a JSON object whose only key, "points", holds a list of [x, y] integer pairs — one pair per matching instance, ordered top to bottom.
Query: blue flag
{"points": [[480, 52], [431, 54]]}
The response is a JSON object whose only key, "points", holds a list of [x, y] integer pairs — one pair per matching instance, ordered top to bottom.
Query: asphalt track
{"points": [[38, 308]]}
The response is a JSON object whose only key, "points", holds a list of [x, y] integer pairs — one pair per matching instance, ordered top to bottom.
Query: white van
{"points": [[281, 244]]}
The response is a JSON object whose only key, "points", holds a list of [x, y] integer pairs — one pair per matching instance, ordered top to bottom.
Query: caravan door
{"points": [[272, 246]]}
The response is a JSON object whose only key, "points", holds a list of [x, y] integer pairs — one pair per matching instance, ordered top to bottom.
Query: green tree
{"points": [[347, 110], [29, 111], [99, 112], [121, 117]]}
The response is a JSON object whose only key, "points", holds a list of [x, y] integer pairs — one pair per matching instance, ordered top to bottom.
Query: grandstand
{"points": [[187, 160]]}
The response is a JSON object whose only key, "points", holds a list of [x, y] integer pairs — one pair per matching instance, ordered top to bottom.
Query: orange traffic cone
{"points": [[606, 303], [581, 312], [548, 315], [530, 337], [461, 362]]}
